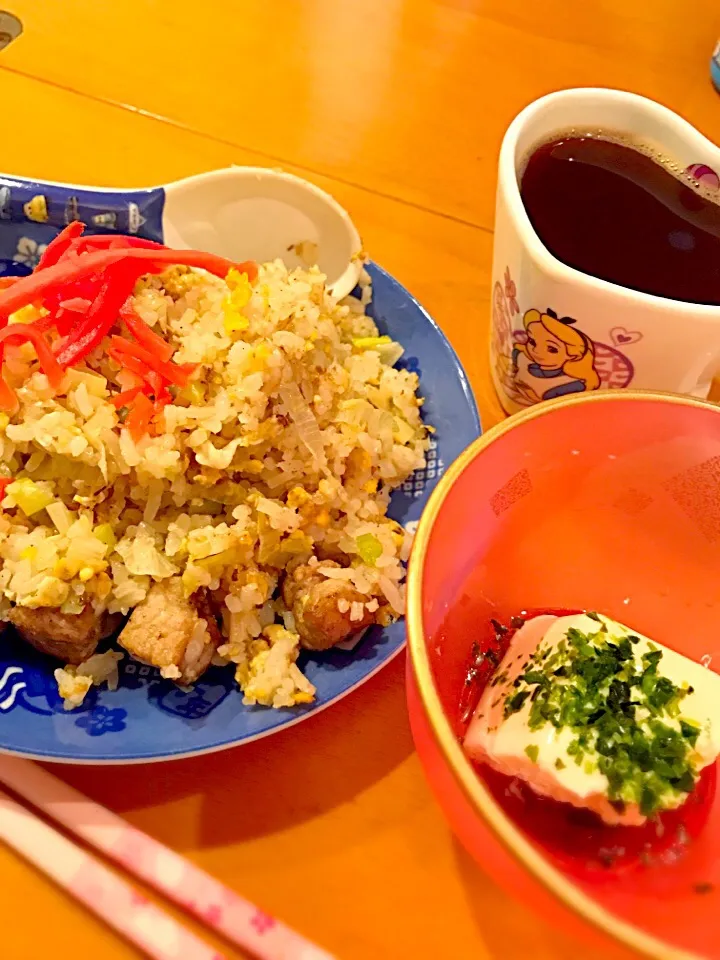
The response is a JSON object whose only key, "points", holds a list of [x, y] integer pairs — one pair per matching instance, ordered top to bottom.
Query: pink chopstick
{"points": [[218, 907], [155, 932]]}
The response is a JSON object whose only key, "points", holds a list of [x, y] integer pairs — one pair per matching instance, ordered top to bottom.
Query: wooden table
{"points": [[397, 107]]}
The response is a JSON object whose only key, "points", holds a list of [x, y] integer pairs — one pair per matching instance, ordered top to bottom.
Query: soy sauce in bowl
{"points": [[621, 213]]}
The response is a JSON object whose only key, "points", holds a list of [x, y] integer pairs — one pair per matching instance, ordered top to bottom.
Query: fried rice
{"points": [[281, 452]]}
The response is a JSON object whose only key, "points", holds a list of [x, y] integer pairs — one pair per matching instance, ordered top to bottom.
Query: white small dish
{"points": [[255, 213]]}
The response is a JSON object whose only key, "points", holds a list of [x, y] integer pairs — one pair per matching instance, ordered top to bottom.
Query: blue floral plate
{"points": [[148, 718]]}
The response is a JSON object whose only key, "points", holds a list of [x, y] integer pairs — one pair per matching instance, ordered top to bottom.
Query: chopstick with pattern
{"points": [[110, 897], [218, 907]]}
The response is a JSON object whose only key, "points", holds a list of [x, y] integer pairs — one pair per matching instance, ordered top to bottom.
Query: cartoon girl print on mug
{"points": [[550, 356], [553, 359]]}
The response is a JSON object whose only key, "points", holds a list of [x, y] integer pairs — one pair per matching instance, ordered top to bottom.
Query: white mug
{"points": [[624, 337]]}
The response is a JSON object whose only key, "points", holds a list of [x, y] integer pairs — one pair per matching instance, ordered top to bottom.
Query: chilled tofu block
{"points": [[589, 712]]}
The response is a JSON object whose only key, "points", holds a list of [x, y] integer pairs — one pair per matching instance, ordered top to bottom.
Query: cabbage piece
{"points": [[305, 422], [29, 496]]}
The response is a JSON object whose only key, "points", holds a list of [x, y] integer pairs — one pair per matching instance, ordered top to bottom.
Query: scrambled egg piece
{"points": [[240, 293], [28, 314], [310, 513], [271, 678], [72, 688]]}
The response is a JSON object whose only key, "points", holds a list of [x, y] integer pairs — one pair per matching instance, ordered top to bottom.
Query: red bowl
{"points": [[606, 502]]}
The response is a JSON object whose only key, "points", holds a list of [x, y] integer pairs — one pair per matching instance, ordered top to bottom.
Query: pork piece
{"points": [[313, 601], [110, 624], [169, 631], [70, 637]]}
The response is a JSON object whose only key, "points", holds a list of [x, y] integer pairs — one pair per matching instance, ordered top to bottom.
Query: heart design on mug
{"points": [[622, 337]]}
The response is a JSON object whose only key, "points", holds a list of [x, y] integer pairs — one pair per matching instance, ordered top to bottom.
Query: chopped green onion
{"points": [[369, 343], [105, 533], [369, 548], [624, 715]]}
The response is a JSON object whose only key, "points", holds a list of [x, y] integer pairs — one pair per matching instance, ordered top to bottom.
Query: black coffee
{"points": [[614, 212]]}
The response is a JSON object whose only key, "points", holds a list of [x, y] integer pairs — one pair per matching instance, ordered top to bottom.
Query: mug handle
{"points": [[706, 383]]}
